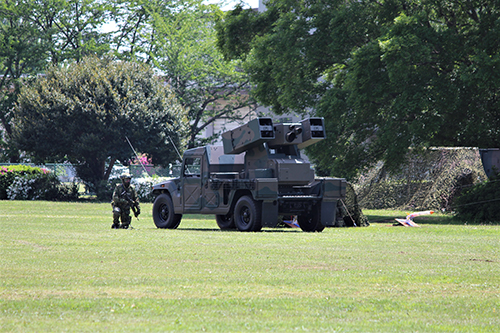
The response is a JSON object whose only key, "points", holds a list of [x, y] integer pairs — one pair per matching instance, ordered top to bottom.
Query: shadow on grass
{"points": [[277, 230]]}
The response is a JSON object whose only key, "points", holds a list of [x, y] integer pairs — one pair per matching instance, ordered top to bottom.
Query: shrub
{"points": [[9, 173], [23, 182], [143, 186], [104, 189], [68, 192], [481, 203]]}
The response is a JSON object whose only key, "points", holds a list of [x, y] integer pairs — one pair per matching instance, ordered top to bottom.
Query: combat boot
{"points": [[115, 226]]}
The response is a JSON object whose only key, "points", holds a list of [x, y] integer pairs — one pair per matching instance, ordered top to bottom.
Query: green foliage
{"points": [[74, 27], [236, 30], [34, 33], [177, 37], [183, 48], [22, 51], [386, 75], [83, 113], [9, 173], [23, 182], [143, 187], [104, 189], [480, 203], [351, 210]]}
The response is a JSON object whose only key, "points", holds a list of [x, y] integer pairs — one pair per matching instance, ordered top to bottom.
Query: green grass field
{"points": [[63, 269]]}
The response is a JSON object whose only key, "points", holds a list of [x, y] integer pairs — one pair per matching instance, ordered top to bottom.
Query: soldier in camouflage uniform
{"points": [[124, 198]]}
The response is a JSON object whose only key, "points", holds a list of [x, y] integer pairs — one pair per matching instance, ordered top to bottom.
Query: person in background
{"points": [[124, 198]]}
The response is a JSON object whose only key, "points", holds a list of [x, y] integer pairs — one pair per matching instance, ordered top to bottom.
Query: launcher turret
{"points": [[262, 130], [272, 150]]}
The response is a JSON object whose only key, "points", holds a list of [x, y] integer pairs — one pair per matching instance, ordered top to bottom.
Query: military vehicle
{"points": [[255, 177]]}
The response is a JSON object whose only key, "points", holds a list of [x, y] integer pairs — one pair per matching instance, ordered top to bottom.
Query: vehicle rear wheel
{"points": [[163, 213], [247, 214], [225, 222], [311, 222]]}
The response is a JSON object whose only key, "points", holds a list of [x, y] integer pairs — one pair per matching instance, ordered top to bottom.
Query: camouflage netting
{"points": [[428, 180], [350, 210]]}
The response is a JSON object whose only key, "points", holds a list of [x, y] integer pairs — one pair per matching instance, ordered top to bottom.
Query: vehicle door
{"points": [[191, 188], [210, 190]]}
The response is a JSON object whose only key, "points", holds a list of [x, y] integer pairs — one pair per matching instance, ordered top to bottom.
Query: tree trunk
{"points": [[110, 168]]}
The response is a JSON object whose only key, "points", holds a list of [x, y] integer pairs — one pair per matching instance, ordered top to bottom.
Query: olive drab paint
{"points": [[256, 176]]}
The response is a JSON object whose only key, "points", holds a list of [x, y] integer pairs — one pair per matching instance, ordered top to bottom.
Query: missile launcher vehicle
{"points": [[253, 178]]}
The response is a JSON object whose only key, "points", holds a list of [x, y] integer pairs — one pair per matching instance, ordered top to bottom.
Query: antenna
{"points": [[173, 144], [137, 156]]}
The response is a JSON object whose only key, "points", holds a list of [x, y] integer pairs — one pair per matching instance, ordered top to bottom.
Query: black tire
{"points": [[163, 213], [247, 214], [225, 222], [312, 222]]}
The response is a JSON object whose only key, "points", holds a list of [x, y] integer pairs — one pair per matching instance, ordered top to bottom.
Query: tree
{"points": [[73, 27], [32, 33], [178, 37], [131, 39], [22, 52], [386, 75], [85, 112]]}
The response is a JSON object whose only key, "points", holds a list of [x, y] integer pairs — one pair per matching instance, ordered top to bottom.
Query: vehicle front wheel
{"points": [[163, 213], [247, 214], [225, 222]]}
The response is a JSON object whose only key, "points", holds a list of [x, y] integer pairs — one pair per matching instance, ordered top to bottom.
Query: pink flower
{"points": [[143, 159]]}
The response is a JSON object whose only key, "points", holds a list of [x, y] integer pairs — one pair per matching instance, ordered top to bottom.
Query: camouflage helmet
{"points": [[125, 175]]}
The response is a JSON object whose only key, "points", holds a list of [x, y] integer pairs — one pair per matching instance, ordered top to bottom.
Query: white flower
{"points": [[20, 188]]}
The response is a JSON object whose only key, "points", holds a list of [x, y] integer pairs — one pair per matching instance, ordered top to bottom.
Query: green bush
{"points": [[9, 173], [23, 182], [143, 187], [104, 189], [481, 203]]}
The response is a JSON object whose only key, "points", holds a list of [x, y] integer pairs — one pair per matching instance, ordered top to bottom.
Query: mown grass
{"points": [[63, 269]]}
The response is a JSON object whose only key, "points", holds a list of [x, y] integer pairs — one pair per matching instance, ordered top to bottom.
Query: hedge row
{"points": [[23, 182], [143, 187]]}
